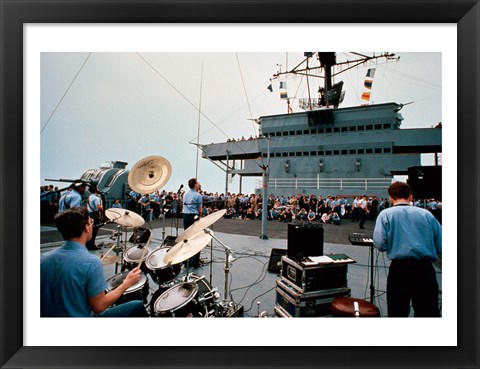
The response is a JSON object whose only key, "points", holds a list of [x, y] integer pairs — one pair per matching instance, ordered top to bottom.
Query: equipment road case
{"points": [[314, 277], [308, 304]]}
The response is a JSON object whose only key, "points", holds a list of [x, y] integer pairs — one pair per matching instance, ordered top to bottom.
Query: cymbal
{"points": [[149, 174], [124, 217], [200, 225], [186, 248], [110, 259]]}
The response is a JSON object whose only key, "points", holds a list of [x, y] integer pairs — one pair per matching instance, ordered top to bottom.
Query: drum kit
{"points": [[189, 295]]}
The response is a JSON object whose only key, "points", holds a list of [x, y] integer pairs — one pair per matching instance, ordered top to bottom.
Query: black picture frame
{"points": [[14, 14]]}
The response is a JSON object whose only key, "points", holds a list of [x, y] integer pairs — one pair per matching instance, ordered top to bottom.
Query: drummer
{"points": [[192, 210], [72, 280]]}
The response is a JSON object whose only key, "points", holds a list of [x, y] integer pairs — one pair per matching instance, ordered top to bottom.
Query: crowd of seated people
{"points": [[299, 207]]}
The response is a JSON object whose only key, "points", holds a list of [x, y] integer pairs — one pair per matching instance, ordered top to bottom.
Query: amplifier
{"points": [[304, 239], [169, 241], [307, 278], [309, 304]]}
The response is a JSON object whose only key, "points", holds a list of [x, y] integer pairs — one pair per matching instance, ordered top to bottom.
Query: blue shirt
{"points": [[70, 200], [192, 201], [93, 202], [408, 232], [69, 275]]}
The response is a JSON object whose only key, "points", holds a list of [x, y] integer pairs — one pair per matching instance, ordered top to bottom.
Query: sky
{"points": [[124, 106]]}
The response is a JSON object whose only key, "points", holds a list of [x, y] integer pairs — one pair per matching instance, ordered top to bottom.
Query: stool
{"points": [[344, 307]]}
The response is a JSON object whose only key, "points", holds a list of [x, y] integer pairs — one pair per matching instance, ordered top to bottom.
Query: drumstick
{"points": [[111, 248], [144, 251]]}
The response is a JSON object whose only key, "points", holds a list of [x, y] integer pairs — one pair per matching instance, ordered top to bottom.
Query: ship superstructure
{"points": [[327, 150]]}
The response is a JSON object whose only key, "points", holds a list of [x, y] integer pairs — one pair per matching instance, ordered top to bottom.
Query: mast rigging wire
{"points": [[65, 94], [192, 104]]}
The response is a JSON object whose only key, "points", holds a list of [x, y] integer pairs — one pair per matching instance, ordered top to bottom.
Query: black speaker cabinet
{"points": [[425, 182], [304, 239], [169, 241], [275, 262]]}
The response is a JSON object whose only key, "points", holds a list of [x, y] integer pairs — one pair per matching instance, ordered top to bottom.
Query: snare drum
{"points": [[133, 256], [159, 271], [139, 291], [195, 298]]}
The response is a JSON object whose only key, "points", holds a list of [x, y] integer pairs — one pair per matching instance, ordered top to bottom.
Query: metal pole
{"points": [[226, 175], [264, 236]]}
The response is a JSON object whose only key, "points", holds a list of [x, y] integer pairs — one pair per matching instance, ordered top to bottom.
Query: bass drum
{"points": [[134, 255], [159, 271], [139, 291], [156, 295], [207, 296], [194, 298]]}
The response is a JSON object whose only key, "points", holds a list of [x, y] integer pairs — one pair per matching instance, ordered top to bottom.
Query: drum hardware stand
{"points": [[162, 212], [119, 249], [228, 251], [211, 258]]}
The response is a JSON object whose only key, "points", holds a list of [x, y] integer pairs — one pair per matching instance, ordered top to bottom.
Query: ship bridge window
{"points": [[378, 126], [387, 126], [369, 127], [352, 128], [361, 128], [336, 129], [344, 129], [321, 130], [328, 130], [306, 131], [313, 131], [299, 132], [284, 133], [291, 133], [387, 150], [352, 151], [361, 151], [369, 151], [378, 151], [328, 152], [336, 152], [344, 152], [298, 153], [313, 153], [321, 153], [284, 154], [291, 154]]}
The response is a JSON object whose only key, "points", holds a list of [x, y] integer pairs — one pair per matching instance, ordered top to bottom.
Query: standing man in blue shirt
{"points": [[72, 198], [192, 210], [95, 211], [412, 238], [72, 283]]}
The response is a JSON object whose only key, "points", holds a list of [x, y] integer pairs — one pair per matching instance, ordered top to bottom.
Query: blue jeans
{"points": [[194, 261], [128, 309]]}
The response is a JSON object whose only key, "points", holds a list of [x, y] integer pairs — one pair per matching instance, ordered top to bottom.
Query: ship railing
{"points": [[307, 104], [330, 183]]}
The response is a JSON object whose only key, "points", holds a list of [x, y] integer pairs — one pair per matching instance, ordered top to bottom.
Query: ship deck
{"points": [[252, 287]]}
